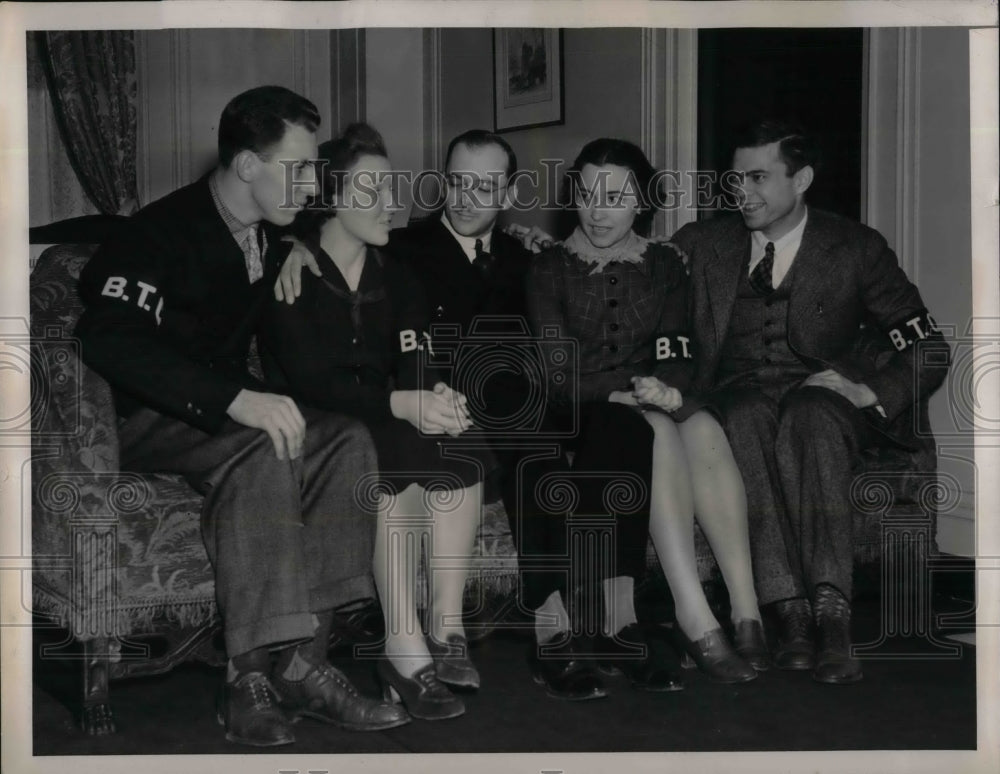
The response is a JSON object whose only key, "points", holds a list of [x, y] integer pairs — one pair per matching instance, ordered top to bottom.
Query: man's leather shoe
{"points": [[751, 644], [795, 649], [630, 652], [714, 656], [451, 662], [834, 664], [556, 665], [326, 694], [248, 708]]}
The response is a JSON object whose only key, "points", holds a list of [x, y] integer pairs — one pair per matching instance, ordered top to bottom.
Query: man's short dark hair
{"points": [[256, 119], [479, 138], [797, 148]]}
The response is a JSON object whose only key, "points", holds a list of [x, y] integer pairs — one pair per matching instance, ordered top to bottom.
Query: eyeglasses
{"points": [[469, 183]]}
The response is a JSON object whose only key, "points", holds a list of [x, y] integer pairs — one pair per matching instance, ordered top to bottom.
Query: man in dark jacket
{"points": [[172, 305], [814, 345]]}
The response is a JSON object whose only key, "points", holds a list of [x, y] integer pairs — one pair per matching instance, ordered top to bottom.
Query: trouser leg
{"points": [[751, 422], [820, 437], [285, 537]]}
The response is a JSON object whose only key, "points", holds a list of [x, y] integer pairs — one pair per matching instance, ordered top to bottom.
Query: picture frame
{"points": [[527, 77]]}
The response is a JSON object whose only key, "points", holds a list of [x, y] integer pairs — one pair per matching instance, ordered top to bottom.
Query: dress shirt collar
{"points": [[237, 227], [468, 244], [785, 249]]}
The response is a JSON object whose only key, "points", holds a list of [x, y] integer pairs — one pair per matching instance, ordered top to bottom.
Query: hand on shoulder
{"points": [[533, 239], [288, 286]]}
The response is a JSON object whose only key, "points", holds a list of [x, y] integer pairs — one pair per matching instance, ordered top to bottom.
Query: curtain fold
{"points": [[92, 81]]}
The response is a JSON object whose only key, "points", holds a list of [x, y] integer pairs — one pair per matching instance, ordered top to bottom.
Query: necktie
{"points": [[254, 252], [483, 260], [760, 277]]}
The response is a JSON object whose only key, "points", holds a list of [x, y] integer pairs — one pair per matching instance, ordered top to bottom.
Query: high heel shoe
{"points": [[714, 656], [451, 662], [424, 696]]}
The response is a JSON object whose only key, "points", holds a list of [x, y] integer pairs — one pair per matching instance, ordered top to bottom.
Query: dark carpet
{"points": [[911, 698]]}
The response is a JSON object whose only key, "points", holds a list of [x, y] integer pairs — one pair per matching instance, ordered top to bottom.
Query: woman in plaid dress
{"points": [[623, 298]]}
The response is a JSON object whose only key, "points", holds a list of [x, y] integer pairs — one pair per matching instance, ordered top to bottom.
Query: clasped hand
{"points": [[649, 391], [435, 412]]}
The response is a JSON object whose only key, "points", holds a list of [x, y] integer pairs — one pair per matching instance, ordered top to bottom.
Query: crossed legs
{"points": [[695, 475]]}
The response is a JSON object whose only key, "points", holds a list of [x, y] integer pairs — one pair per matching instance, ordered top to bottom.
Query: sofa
{"points": [[118, 558]]}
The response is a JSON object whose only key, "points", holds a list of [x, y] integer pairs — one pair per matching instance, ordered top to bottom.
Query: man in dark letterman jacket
{"points": [[172, 304]]}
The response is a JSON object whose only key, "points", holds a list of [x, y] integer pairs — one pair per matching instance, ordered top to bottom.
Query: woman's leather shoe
{"points": [[751, 643], [631, 653], [715, 657], [452, 664], [557, 666], [326, 694], [424, 696]]}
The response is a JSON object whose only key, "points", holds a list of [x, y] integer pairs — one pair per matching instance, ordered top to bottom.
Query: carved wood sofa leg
{"points": [[96, 716]]}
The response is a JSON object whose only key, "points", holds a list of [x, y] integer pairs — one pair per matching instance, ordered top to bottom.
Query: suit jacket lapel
{"points": [[449, 260], [811, 273], [722, 274]]}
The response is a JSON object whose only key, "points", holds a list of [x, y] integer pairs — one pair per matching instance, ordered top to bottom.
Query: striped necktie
{"points": [[253, 253], [760, 277]]}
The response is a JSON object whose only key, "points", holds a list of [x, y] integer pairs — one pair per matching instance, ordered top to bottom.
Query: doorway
{"points": [[811, 76]]}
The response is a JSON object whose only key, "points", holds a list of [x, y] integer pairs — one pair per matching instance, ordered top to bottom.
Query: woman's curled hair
{"points": [[336, 157]]}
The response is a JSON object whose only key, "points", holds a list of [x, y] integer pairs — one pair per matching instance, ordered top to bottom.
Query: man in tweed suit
{"points": [[787, 302]]}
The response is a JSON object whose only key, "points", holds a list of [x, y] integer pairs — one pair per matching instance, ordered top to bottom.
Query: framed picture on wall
{"points": [[527, 77]]}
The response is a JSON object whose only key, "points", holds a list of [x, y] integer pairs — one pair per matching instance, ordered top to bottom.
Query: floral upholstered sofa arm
{"points": [[114, 551]]}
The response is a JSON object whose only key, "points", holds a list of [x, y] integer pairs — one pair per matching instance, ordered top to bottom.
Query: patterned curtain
{"points": [[92, 81]]}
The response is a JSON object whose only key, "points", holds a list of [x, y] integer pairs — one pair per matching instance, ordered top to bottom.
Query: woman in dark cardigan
{"points": [[623, 298], [355, 342]]}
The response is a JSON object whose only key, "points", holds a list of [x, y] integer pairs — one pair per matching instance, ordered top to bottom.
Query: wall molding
{"points": [[347, 87], [180, 106], [682, 115], [142, 116], [433, 118], [668, 131], [891, 133], [907, 150]]}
